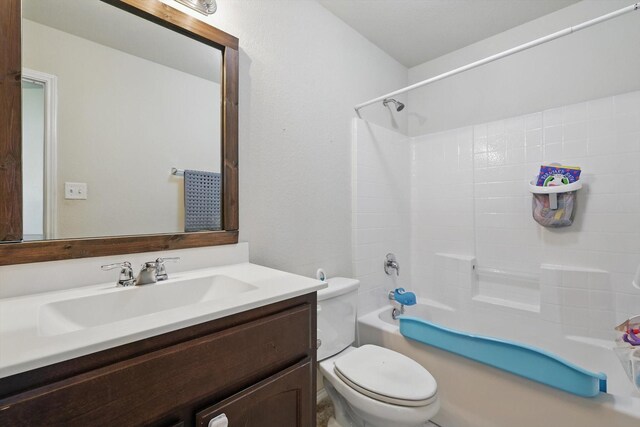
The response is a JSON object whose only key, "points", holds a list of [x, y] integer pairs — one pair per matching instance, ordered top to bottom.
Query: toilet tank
{"points": [[337, 316]]}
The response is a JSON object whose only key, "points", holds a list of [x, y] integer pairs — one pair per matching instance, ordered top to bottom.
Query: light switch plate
{"points": [[75, 190]]}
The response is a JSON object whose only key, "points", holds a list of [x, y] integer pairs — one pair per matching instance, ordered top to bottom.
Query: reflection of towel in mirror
{"points": [[201, 200]]}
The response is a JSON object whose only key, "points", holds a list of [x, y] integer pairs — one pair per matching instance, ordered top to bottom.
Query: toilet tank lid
{"points": [[338, 286]]}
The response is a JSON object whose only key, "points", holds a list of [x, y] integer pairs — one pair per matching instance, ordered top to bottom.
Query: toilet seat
{"points": [[396, 379]]}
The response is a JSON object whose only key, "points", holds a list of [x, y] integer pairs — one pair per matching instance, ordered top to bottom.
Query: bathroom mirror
{"points": [[118, 98], [134, 100]]}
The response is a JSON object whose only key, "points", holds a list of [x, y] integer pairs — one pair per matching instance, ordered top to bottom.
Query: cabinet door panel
{"points": [[148, 388], [284, 400]]}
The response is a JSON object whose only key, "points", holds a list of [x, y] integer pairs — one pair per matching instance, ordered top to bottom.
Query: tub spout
{"points": [[397, 312]]}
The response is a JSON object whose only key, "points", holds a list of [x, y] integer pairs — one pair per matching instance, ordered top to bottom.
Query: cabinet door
{"points": [[283, 400]]}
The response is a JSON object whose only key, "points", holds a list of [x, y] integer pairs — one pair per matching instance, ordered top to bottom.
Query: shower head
{"points": [[399, 105]]}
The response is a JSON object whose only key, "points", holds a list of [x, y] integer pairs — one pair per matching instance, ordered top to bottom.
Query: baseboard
{"points": [[321, 395]]}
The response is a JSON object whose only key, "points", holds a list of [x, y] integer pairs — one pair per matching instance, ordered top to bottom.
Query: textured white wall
{"points": [[597, 62], [301, 72], [123, 122]]}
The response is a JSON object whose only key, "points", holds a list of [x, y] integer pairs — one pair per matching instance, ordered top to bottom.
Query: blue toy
{"points": [[403, 297]]}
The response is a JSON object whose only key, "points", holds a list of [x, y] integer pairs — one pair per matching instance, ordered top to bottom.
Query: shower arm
{"points": [[503, 54]]}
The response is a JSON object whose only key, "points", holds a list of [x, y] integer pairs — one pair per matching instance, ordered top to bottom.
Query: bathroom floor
{"points": [[325, 412]]}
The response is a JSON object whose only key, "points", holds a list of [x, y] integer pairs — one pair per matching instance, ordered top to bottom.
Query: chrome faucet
{"points": [[390, 263], [154, 271], [151, 272], [126, 273], [148, 274]]}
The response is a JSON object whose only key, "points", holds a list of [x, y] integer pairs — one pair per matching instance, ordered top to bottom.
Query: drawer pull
{"points": [[219, 421]]}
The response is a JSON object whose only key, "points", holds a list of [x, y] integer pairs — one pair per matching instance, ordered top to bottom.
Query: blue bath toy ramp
{"points": [[519, 359]]}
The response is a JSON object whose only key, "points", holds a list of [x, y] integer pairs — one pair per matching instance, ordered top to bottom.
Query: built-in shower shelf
{"points": [[506, 274], [517, 290], [533, 308], [516, 358]]}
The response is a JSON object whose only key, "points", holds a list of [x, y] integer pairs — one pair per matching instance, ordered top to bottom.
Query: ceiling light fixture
{"points": [[206, 7]]}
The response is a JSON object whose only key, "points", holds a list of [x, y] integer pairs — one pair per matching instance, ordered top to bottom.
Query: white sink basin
{"points": [[75, 314], [45, 328]]}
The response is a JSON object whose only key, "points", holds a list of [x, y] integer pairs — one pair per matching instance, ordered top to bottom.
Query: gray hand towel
{"points": [[202, 200]]}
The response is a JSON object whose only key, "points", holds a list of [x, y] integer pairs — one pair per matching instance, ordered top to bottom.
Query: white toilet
{"points": [[369, 386]]}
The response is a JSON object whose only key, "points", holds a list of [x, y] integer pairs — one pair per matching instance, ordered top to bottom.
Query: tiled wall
{"points": [[462, 195], [475, 202], [442, 204], [381, 210], [454, 273], [580, 299]]}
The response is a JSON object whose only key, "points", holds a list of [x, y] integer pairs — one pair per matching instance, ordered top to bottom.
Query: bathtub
{"points": [[477, 395]]}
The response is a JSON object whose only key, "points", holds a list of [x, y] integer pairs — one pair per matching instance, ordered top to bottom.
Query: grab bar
{"points": [[506, 274]]}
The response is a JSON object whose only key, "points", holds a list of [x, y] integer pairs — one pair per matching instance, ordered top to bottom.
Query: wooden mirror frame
{"points": [[13, 251]]}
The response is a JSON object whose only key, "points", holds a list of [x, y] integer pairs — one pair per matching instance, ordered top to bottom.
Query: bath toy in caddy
{"points": [[554, 195], [628, 348]]}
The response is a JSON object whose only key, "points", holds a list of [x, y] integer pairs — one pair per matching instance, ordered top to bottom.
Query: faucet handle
{"points": [[170, 259], [390, 263], [123, 265], [161, 270], [126, 277]]}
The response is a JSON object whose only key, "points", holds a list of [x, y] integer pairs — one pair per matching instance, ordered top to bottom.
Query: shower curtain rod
{"points": [[505, 53]]}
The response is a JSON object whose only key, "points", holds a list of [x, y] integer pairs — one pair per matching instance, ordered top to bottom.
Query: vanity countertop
{"points": [[28, 340]]}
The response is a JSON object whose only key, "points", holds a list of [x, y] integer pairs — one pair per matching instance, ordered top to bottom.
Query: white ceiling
{"points": [[416, 31]]}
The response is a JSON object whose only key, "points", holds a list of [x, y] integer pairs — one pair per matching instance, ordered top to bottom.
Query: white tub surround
{"points": [[381, 210], [471, 235], [40, 329]]}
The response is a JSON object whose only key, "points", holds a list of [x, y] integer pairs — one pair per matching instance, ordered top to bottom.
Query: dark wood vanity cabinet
{"points": [[256, 367]]}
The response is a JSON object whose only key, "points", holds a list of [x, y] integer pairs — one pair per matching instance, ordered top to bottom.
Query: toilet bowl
{"points": [[369, 386], [381, 400]]}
